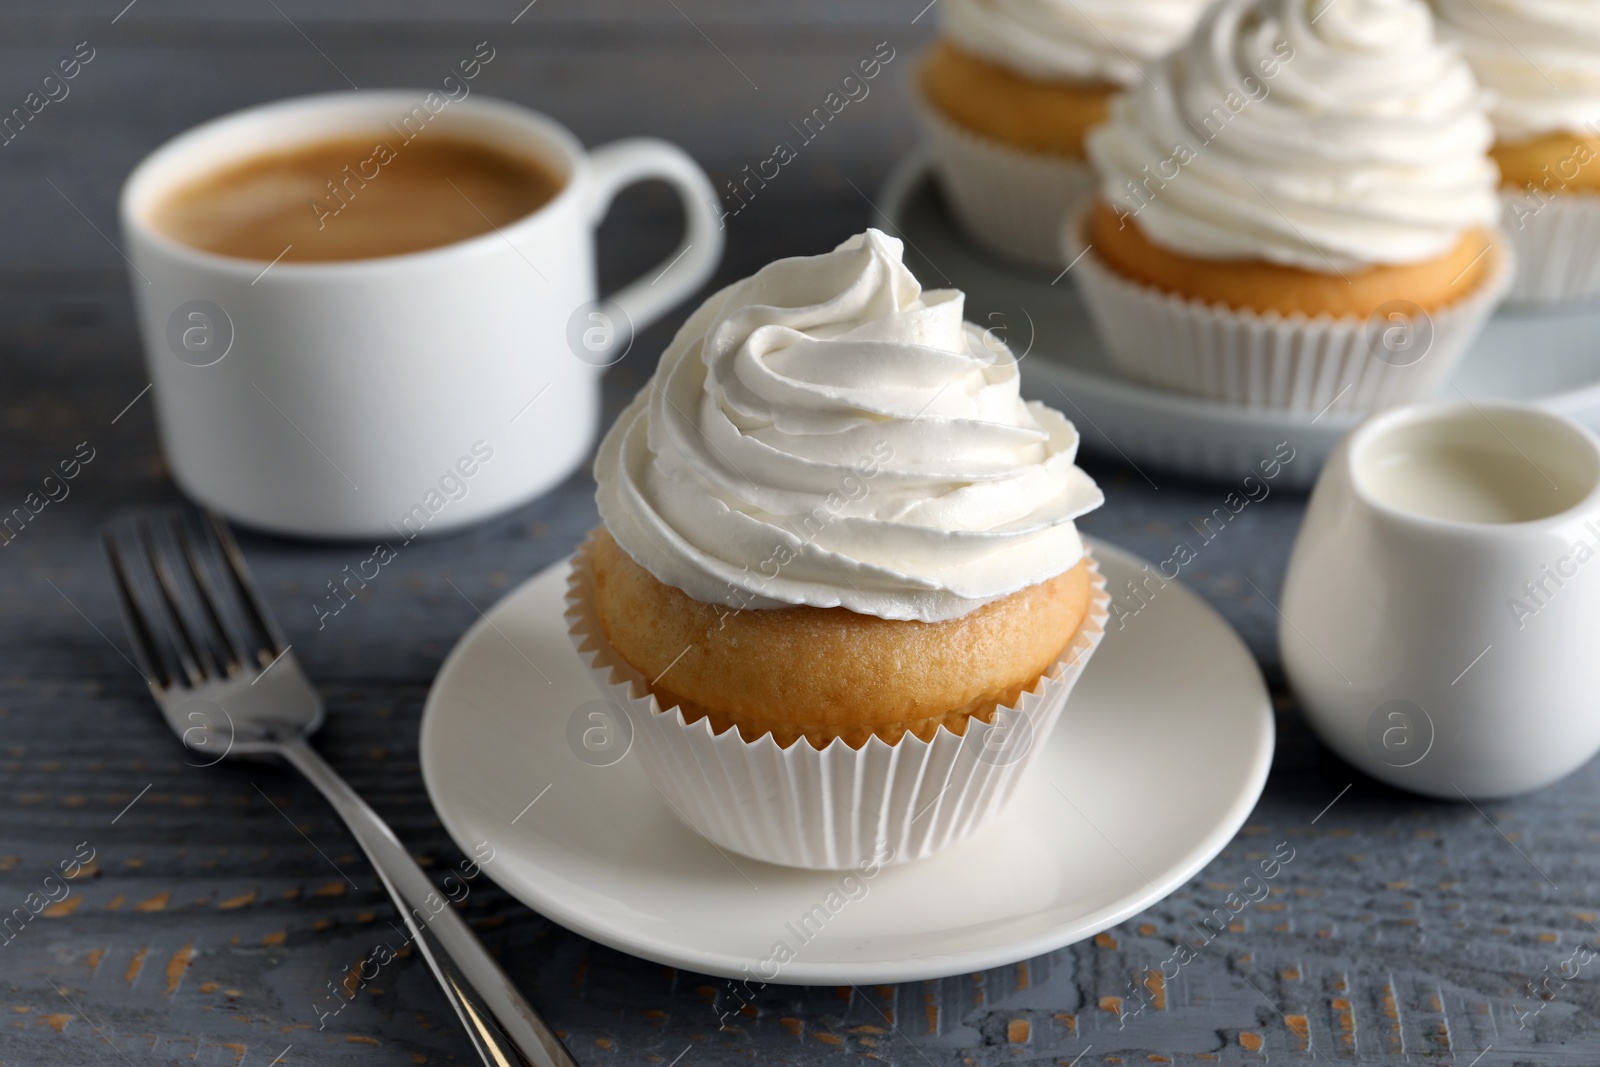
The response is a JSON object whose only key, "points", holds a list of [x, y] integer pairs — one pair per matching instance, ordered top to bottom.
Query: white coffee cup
{"points": [[388, 396], [1442, 603]]}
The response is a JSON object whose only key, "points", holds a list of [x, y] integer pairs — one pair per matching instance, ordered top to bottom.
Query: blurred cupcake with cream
{"points": [[1541, 61], [1008, 93], [1297, 209], [839, 587]]}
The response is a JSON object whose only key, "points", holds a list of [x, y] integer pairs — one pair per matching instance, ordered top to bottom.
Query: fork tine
{"points": [[187, 598], [148, 603], [220, 612], [238, 614], [188, 629], [272, 642], [145, 651]]}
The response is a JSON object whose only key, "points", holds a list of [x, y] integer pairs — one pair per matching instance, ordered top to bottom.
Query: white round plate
{"points": [[1548, 357], [1157, 760]]}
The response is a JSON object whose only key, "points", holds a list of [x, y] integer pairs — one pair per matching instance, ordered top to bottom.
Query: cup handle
{"points": [[622, 163]]}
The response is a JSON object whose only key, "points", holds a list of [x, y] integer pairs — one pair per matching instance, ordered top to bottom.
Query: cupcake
{"points": [[1541, 60], [1010, 90], [1297, 210], [838, 586]]}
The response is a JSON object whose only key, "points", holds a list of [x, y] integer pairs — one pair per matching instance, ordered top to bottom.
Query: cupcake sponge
{"points": [[985, 98], [1262, 287], [825, 673]]}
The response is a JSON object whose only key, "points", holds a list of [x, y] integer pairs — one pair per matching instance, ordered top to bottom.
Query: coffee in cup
{"points": [[356, 197]]}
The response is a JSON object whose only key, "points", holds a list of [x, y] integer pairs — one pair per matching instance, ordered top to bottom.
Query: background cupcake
{"points": [[1541, 60], [1008, 94], [1297, 209], [838, 564]]}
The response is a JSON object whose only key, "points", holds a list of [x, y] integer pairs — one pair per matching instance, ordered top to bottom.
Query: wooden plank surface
{"points": [[214, 917]]}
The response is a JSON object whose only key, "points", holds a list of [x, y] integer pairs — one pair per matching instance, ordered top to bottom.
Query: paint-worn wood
{"points": [[209, 926]]}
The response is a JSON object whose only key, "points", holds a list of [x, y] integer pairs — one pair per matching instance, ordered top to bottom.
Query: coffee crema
{"points": [[359, 196]]}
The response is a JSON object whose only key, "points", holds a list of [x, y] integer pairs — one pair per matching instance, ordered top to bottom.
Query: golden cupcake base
{"points": [[998, 104], [1008, 150], [1556, 163], [1550, 195], [1262, 287], [1390, 351], [829, 673], [837, 807]]}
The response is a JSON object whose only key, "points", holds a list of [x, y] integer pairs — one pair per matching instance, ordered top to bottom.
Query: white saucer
{"points": [[1549, 357], [1160, 755]]}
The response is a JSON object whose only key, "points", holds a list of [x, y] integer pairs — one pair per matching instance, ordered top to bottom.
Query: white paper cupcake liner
{"points": [[1010, 202], [1558, 247], [1286, 363], [838, 807]]}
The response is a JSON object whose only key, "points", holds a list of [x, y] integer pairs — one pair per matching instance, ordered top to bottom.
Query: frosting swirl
{"points": [[1070, 40], [1541, 59], [1322, 134], [826, 433]]}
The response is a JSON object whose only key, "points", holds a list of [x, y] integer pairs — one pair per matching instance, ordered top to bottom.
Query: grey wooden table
{"points": [[210, 927]]}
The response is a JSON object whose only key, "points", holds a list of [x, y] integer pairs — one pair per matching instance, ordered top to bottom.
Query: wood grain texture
{"points": [[225, 901]]}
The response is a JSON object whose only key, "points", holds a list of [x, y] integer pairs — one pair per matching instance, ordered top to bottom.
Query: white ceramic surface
{"points": [[1547, 357], [339, 399], [1437, 650], [1157, 760]]}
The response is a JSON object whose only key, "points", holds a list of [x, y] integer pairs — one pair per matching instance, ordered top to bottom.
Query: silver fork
{"points": [[229, 685]]}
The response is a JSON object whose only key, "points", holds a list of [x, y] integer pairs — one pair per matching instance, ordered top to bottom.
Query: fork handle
{"points": [[504, 1028]]}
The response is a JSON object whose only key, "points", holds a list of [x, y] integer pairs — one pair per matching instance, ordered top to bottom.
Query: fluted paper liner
{"points": [[1011, 202], [1558, 247], [1268, 360], [838, 807]]}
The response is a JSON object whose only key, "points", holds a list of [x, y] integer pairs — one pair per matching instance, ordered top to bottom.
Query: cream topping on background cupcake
{"points": [[1070, 40], [1540, 58], [1322, 134], [826, 433]]}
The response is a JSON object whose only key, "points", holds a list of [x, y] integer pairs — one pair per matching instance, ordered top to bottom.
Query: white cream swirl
{"points": [[1070, 40], [1540, 58], [1323, 134], [826, 433]]}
